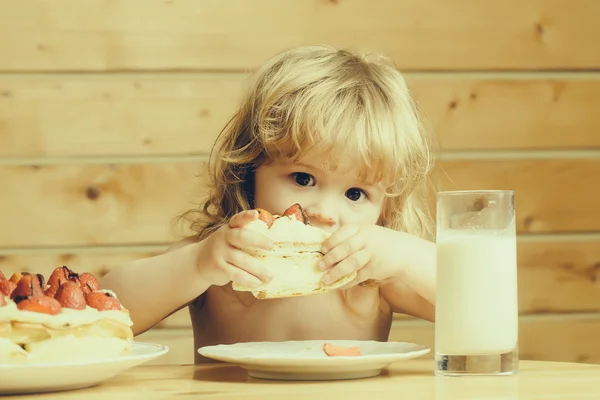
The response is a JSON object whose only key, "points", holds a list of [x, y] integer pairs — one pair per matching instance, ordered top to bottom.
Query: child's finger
{"points": [[242, 218], [338, 237], [243, 238], [343, 250], [249, 265], [347, 266], [241, 277], [356, 281]]}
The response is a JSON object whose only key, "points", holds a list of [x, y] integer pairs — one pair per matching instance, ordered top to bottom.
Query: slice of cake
{"points": [[294, 258], [68, 319]]}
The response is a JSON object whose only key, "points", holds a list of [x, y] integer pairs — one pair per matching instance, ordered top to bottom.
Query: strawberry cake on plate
{"points": [[66, 318]]}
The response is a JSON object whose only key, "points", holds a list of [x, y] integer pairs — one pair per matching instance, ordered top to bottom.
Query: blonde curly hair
{"points": [[346, 105]]}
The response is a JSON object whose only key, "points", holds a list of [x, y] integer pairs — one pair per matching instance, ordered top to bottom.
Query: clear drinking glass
{"points": [[476, 316]]}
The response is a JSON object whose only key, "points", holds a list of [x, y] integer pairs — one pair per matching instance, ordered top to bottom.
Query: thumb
{"points": [[242, 218]]}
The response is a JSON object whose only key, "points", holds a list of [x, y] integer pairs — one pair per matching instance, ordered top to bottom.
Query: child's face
{"points": [[329, 198]]}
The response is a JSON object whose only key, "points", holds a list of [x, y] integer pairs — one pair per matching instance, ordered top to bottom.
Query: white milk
{"points": [[476, 300]]}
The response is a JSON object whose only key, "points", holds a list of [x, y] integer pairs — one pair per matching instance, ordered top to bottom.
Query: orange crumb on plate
{"points": [[336, 351]]}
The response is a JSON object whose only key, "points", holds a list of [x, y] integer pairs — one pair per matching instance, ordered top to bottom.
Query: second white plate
{"points": [[305, 360]]}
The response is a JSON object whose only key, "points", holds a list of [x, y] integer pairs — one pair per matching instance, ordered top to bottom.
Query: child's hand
{"points": [[374, 251], [221, 259]]}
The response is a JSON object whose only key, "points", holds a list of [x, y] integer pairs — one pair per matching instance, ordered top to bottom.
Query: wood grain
{"points": [[104, 35], [510, 114], [172, 115], [106, 116], [551, 195], [91, 203], [79, 204], [130, 204], [99, 261], [558, 275], [555, 276], [548, 338], [562, 338], [414, 379]]}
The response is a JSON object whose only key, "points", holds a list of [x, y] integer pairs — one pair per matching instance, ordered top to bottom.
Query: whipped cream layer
{"points": [[289, 229], [63, 349], [76, 349], [11, 352]]}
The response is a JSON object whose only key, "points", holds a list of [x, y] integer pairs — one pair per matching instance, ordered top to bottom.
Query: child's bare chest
{"points": [[230, 317]]}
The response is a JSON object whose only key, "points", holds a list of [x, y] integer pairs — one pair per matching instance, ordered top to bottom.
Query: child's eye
{"points": [[303, 179], [355, 194]]}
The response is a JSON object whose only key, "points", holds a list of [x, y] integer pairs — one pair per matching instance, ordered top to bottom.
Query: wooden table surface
{"points": [[409, 380]]}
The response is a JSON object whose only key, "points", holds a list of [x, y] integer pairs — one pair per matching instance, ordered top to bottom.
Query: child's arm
{"points": [[381, 254], [153, 288], [413, 292]]}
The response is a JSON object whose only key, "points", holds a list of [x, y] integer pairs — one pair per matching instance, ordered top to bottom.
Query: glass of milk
{"points": [[476, 316]]}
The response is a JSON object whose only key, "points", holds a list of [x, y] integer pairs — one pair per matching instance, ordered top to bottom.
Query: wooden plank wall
{"points": [[108, 110]]}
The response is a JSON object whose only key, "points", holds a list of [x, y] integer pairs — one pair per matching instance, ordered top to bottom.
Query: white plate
{"points": [[305, 360], [53, 377]]}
